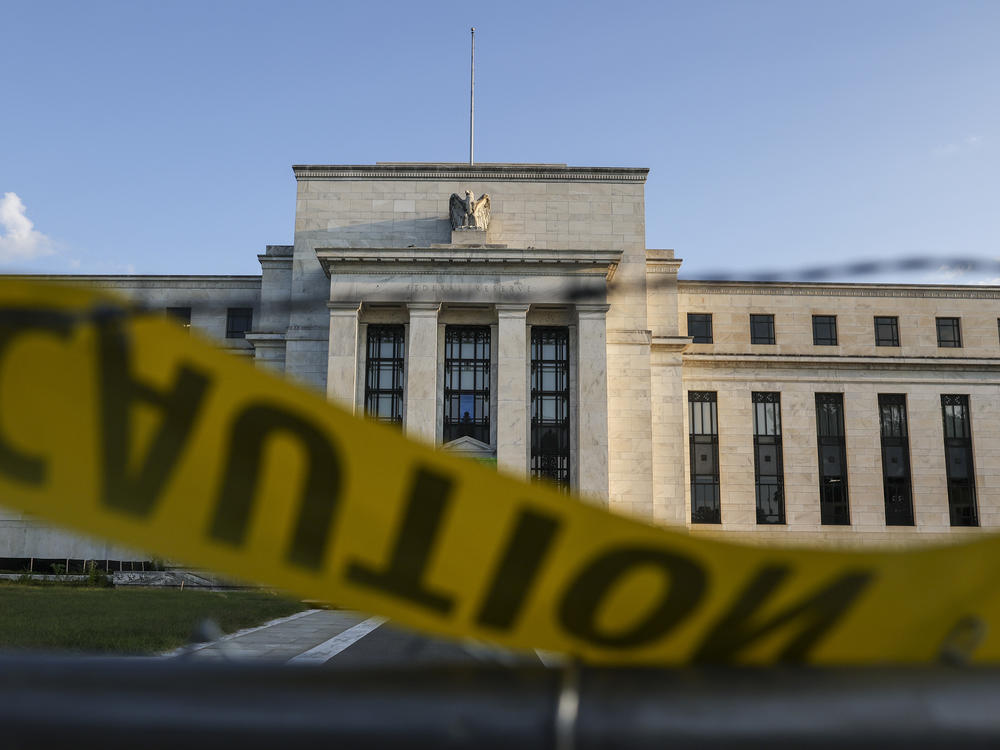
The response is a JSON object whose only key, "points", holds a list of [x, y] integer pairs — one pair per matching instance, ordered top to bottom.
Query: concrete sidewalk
{"points": [[278, 640]]}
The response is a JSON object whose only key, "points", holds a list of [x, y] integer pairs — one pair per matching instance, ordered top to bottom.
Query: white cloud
{"points": [[968, 143], [19, 240], [947, 273]]}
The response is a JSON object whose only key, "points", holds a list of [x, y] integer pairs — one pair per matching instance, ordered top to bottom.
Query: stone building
{"points": [[555, 343]]}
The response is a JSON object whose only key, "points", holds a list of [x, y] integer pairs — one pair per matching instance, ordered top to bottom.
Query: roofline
{"points": [[457, 171], [834, 284]]}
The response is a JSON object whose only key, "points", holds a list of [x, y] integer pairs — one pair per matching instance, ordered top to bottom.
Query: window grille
{"points": [[700, 327], [761, 329], [824, 330], [886, 331], [949, 333], [384, 373], [467, 383], [550, 405], [704, 449], [832, 449], [961, 470], [769, 471], [896, 479]]}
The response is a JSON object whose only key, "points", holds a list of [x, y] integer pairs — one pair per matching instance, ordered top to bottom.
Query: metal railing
{"points": [[63, 702]]}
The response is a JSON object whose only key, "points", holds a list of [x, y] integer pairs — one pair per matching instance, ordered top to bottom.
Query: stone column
{"points": [[341, 368], [421, 371], [512, 389], [592, 402]]}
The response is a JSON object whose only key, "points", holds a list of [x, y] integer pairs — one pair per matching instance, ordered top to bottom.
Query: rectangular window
{"points": [[181, 314], [238, 322], [700, 327], [761, 329], [825, 330], [886, 331], [949, 332], [384, 373], [467, 383], [550, 404], [704, 445], [832, 448], [958, 459], [768, 461], [896, 479]]}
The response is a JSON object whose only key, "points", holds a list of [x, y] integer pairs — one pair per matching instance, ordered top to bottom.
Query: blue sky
{"points": [[157, 137]]}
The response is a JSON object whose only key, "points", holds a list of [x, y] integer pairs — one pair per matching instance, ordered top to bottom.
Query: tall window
{"points": [[181, 314], [239, 320], [700, 327], [761, 329], [825, 330], [886, 331], [949, 332], [384, 374], [467, 383], [550, 404], [704, 445], [958, 458], [895, 459], [768, 464], [833, 503]]}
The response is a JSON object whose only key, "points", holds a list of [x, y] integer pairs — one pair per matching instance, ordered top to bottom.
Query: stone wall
{"points": [[795, 367]]}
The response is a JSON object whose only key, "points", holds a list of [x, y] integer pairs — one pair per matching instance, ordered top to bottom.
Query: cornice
{"points": [[490, 172], [461, 259], [128, 281], [807, 289], [671, 343], [836, 360]]}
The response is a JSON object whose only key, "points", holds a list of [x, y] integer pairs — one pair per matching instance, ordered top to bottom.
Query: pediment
{"points": [[466, 444]]}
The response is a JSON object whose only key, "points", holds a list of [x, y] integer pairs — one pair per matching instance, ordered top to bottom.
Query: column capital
{"points": [[344, 308], [423, 308], [511, 310], [591, 310]]}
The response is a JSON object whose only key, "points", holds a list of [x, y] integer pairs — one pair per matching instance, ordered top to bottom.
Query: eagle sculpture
{"points": [[468, 212]]}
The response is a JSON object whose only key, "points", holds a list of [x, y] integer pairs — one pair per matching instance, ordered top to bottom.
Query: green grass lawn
{"points": [[125, 621]]}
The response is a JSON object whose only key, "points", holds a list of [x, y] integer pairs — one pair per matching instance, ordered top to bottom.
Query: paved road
{"points": [[339, 639]]}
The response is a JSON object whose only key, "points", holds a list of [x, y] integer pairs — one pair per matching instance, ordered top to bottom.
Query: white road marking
{"points": [[191, 648], [330, 648], [551, 659]]}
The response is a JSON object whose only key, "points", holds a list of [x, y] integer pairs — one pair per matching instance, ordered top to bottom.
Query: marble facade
{"points": [[565, 247]]}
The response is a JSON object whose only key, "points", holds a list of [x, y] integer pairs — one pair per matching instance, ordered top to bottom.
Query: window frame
{"points": [[233, 313], [182, 315], [700, 319], [830, 320], [767, 321], [892, 321], [955, 324], [374, 392], [478, 428], [767, 433], [894, 435], [955, 443], [554, 466], [703, 484], [833, 512]]}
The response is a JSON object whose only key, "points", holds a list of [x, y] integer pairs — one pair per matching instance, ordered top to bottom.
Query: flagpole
{"points": [[472, 98]]}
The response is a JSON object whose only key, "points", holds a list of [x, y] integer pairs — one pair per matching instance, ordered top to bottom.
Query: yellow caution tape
{"points": [[120, 423]]}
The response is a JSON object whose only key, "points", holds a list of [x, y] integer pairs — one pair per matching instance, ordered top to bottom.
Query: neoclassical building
{"points": [[545, 336]]}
